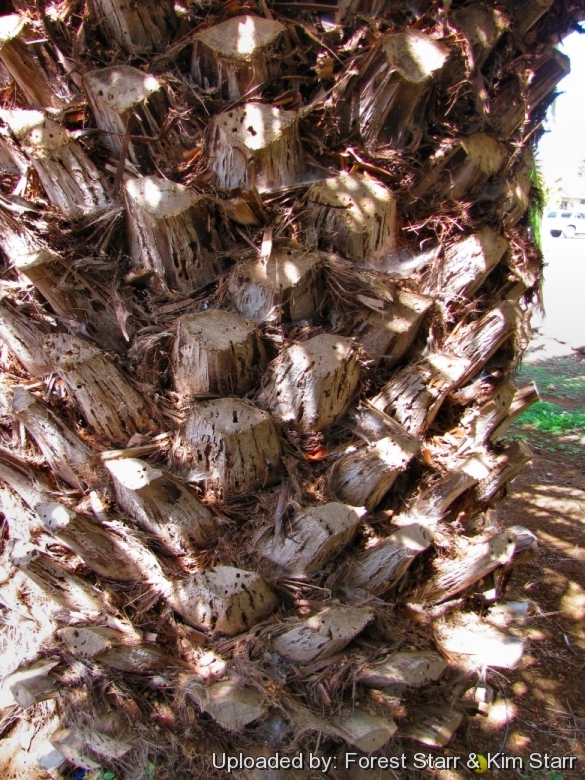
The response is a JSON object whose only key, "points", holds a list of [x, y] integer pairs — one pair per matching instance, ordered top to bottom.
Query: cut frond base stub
{"points": [[528, 12], [147, 27], [482, 27], [17, 55], [237, 56], [392, 95], [124, 99], [516, 99], [255, 145], [456, 174], [73, 184], [354, 214], [171, 232], [465, 265], [286, 287], [67, 292], [387, 336], [24, 339], [217, 353], [311, 384], [415, 394], [109, 403], [489, 418], [234, 447], [67, 454], [363, 476], [161, 505], [313, 537], [109, 549], [470, 563], [377, 569], [65, 588], [223, 600], [322, 635], [468, 640], [91, 641], [403, 670], [33, 684], [231, 704], [432, 726], [365, 731], [75, 743]]}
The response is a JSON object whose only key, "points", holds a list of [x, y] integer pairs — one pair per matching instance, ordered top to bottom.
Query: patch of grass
{"points": [[553, 419], [553, 428]]}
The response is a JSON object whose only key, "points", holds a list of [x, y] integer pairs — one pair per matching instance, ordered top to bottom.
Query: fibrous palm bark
{"points": [[265, 286]]}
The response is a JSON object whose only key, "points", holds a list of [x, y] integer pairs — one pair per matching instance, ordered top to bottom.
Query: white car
{"points": [[566, 223]]}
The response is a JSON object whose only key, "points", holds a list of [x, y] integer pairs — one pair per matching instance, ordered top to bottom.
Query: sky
{"points": [[563, 147]]}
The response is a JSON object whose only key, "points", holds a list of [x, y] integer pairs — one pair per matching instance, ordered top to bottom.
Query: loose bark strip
{"points": [[149, 26], [17, 56], [237, 56], [394, 89], [125, 99], [255, 145], [458, 173], [72, 182], [354, 214], [171, 233], [465, 265], [287, 286], [387, 336], [217, 353], [311, 385], [108, 401], [235, 447], [67, 455], [362, 477], [162, 505], [314, 536], [106, 548], [470, 563], [379, 568], [66, 589], [224, 600], [322, 635], [403, 669], [33, 684], [232, 705], [365, 731]]}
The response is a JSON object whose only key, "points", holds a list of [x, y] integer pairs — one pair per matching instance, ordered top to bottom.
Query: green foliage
{"points": [[537, 203], [553, 419]]}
